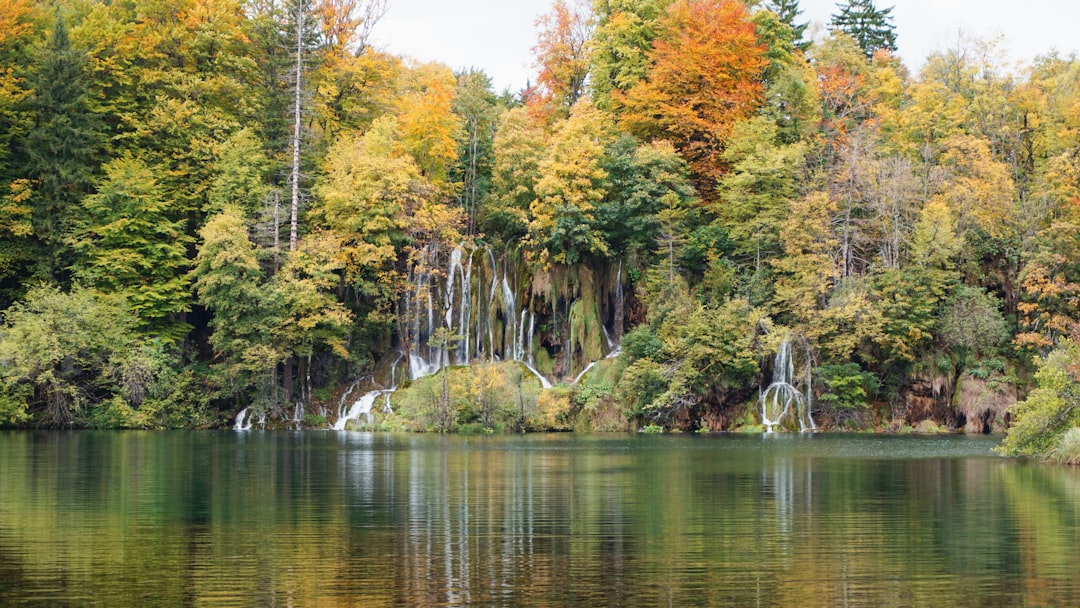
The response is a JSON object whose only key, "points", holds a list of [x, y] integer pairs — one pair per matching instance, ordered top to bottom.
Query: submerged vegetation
{"points": [[215, 206]]}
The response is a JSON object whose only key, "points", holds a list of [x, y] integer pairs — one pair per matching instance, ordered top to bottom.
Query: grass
{"points": [[1067, 449]]}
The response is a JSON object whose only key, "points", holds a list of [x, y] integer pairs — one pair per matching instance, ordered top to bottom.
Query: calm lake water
{"points": [[352, 519]]}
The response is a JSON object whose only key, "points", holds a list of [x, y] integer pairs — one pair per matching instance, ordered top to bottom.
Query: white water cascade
{"points": [[492, 311], [781, 399], [361, 407], [243, 422]]}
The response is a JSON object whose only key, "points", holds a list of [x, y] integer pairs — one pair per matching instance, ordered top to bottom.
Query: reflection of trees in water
{"points": [[352, 518]]}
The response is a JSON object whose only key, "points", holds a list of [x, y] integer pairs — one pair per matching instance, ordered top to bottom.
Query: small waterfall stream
{"points": [[781, 400], [361, 407], [243, 421]]}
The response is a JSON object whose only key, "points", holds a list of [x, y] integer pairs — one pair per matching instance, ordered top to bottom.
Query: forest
{"points": [[695, 213]]}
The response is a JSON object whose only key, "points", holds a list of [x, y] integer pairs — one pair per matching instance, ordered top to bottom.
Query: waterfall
{"points": [[477, 301], [509, 318], [583, 372], [544, 382], [781, 399], [361, 406], [243, 422]]}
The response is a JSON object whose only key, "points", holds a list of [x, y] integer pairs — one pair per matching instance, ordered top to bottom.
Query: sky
{"points": [[497, 35]]}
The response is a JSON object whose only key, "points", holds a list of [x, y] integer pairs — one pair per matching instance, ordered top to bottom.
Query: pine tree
{"points": [[789, 11], [871, 28], [61, 149]]}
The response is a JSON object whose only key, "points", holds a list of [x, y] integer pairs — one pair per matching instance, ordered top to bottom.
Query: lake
{"points": [[354, 519]]}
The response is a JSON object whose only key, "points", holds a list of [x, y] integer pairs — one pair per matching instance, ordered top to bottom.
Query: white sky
{"points": [[497, 35]]}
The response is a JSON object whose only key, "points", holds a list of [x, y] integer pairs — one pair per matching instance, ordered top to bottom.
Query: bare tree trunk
{"points": [[296, 126]]}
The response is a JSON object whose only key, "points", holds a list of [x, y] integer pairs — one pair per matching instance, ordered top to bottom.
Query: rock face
{"points": [[927, 398], [970, 404], [981, 405]]}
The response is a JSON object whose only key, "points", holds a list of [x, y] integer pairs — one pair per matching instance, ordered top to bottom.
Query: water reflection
{"points": [[343, 519]]}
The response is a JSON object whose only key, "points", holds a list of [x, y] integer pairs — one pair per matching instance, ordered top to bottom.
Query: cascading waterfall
{"points": [[476, 298], [781, 399], [361, 407], [243, 422]]}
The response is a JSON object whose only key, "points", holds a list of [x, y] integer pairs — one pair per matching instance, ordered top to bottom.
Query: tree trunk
{"points": [[295, 210]]}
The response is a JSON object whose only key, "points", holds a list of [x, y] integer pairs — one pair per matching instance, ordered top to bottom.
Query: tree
{"points": [[788, 11], [871, 28], [621, 45], [562, 54], [705, 77], [476, 106], [428, 125], [519, 147], [62, 149], [572, 182], [369, 189], [648, 189], [756, 193], [130, 244], [227, 280], [56, 350], [1050, 409]]}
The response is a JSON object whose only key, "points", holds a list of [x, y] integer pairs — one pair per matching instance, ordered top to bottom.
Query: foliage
{"points": [[871, 27], [562, 53], [704, 78], [687, 177], [572, 182], [130, 244], [972, 323], [57, 350], [847, 386], [1049, 410], [1067, 449]]}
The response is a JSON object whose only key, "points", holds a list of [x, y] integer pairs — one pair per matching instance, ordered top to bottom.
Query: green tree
{"points": [[788, 11], [871, 28], [621, 45], [477, 108], [519, 147], [62, 149], [645, 181], [756, 193], [130, 244], [227, 280], [56, 351], [1050, 409]]}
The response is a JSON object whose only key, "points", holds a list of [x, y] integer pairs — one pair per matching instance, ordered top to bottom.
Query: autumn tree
{"points": [[621, 45], [562, 53], [705, 77], [428, 125], [519, 146], [572, 183]]}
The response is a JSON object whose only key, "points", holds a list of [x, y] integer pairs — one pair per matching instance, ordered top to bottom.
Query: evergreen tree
{"points": [[789, 11], [871, 28], [62, 147]]}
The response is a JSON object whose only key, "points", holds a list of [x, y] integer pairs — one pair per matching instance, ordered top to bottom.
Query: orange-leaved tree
{"points": [[706, 76]]}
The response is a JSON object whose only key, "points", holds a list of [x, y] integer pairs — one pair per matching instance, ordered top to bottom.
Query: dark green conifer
{"points": [[789, 11], [871, 28], [62, 148]]}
